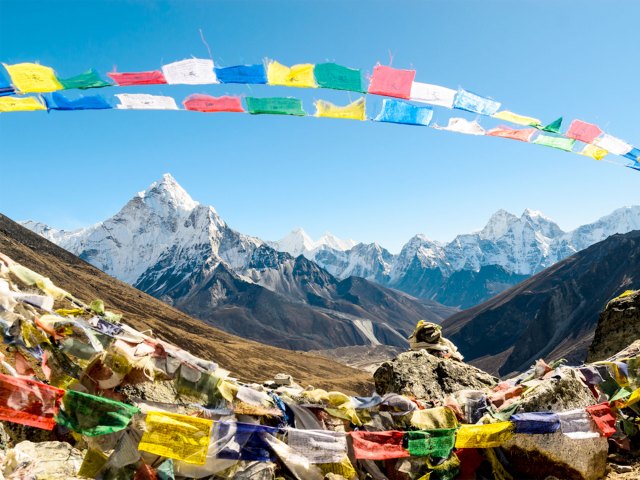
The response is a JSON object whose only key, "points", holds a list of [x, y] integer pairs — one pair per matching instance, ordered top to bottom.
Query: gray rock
{"points": [[618, 325], [44, 460]]}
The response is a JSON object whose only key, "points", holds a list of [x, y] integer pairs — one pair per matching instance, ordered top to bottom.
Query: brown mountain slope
{"points": [[247, 360]]}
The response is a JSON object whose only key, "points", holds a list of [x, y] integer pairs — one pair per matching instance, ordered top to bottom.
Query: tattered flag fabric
{"points": [[193, 71], [253, 74], [300, 75], [154, 77], [337, 77], [33, 78], [88, 79], [391, 82], [432, 94], [143, 101], [469, 101], [94, 102], [207, 103], [21, 104], [275, 106], [354, 111], [397, 111], [508, 116], [462, 125], [583, 131], [522, 134], [561, 143], [612, 144], [594, 152], [28, 402], [91, 415], [603, 418], [536, 423], [577, 424], [489, 435], [177, 436], [247, 442], [436, 443], [378, 445], [318, 446], [298, 465]]}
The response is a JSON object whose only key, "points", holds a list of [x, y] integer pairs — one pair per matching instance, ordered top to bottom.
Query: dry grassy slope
{"points": [[247, 360]]}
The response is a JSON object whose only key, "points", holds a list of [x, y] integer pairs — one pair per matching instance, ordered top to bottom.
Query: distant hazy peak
{"points": [[298, 242]]}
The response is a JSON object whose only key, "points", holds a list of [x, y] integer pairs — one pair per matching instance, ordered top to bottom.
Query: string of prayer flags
{"points": [[193, 71], [250, 74], [300, 75], [154, 77], [337, 77], [33, 78], [88, 79], [391, 82], [432, 94], [143, 101], [469, 101], [59, 102], [207, 103], [21, 104], [275, 106], [354, 111], [397, 111], [508, 116], [462, 125], [583, 131], [522, 135], [561, 143], [612, 144], [594, 152], [28, 402], [91, 415], [603, 418], [536, 423], [489, 435], [177, 436], [247, 442], [436, 443], [378, 445], [318, 446]]}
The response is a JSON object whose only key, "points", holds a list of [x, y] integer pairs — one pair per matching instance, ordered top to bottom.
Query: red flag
{"points": [[154, 77], [391, 82], [207, 103], [583, 131], [521, 134], [22, 366], [28, 402], [603, 418], [378, 445]]}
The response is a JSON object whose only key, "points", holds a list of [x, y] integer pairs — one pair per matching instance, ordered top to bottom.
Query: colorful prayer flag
{"points": [[193, 71], [252, 74], [300, 75], [154, 77], [337, 77], [33, 78], [88, 79], [391, 82], [432, 94], [143, 101], [469, 101], [95, 102], [207, 103], [21, 104], [275, 106], [354, 111], [397, 111], [508, 116], [462, 125], [553, 127], [583, 131], [522, 134], [561, 143], [612, 144], [594, 152], [633, 154], [28, 402], [434, 418], [603, 418], [536, 423], [577, 424], [173, 435], [489, 435], [247, 441], [436, 443], [378, 445], [318, 446]]}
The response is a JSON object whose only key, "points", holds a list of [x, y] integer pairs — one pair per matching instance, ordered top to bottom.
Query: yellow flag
{"points": [[296, 76], [31, 77], [18, 104], [355, 110], [515, 118], [594, 152], [634, 398], [434, 418], [177, 436], [484, 436]]}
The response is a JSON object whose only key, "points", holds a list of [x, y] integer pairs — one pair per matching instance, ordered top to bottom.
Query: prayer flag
{"points": [[193, 71], [253, 74], [295, 76], [154, 77], [337, 77], [33, 78], [88, 79], [391, 82], [5, 85], [432, 94], [143, 101], [469, 101], [95, 102], [207, 103], [21, 104], [275, 106], [354, 111], [397, 111], [515, 118], [462, 125], [553, 127], [583, 131], [523, 134], [561, 143], [612, 144], [594, 152], [633, 154], [633, 398], [28, 402], [91, 415], [434, 418], [603, 418], [535, 423], [577, 424], [173, 435], [489, 435], [247, 441], [436, 443], [378, 445], [318, 446], [298, 465]]}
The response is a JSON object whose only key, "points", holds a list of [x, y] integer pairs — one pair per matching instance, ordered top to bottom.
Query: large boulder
{"points": [[618, 325], [40, 461]]}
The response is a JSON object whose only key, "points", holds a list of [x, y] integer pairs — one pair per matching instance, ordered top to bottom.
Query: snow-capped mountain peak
{"points": [[167, 192], [498, 225], [331, 241], [298, 242]]}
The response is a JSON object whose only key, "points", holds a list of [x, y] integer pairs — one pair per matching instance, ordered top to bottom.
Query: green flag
{"points": [[332, 75], [88, 79], [275, 106], [553, 127], [560, 143], [436, 443]]}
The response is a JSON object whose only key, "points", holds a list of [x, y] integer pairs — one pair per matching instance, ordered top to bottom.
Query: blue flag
{"points": [[254, 74], [57, 101], [397, 111], [539, 422], [250, 439]]}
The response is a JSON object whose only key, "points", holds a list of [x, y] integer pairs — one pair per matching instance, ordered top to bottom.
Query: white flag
{"points": [[194, 71], [432, 94], [143, 101], [462, 125], [612, 144]]}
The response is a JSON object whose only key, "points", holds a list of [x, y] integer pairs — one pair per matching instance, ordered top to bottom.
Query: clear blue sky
{"points": [[364, 180]]}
